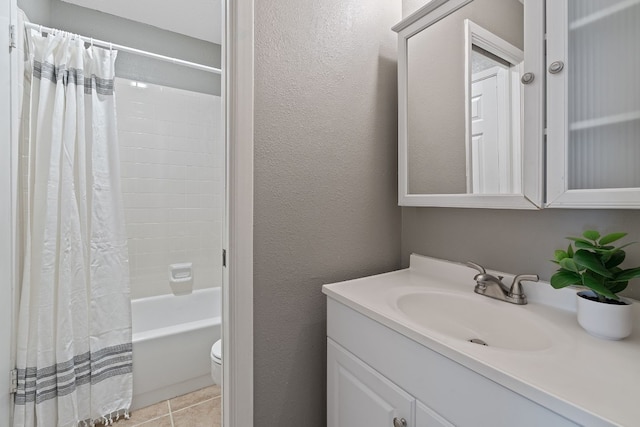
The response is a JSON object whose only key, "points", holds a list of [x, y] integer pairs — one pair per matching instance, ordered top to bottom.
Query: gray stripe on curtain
{"points": [[45, 70], [63, 378]]}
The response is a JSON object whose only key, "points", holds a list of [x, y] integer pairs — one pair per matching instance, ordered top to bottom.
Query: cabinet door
{"points": [[593, 104], [358, 396], [426, 417]]}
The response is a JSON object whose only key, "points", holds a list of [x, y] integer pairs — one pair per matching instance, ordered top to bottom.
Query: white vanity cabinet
{"points": [[404, 345], [376, 375], [359, 396], [427, 417]]}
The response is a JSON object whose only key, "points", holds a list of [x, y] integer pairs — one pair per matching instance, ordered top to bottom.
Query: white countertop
{"points": [[577, 373]]}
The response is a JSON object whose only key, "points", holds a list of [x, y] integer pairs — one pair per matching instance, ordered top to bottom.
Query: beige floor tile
{"points": [[192, 398], [205, 414], [142, 415], [158, 422]]}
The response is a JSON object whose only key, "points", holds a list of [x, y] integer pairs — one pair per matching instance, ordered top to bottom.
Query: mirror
{"points": [[461, 142]]}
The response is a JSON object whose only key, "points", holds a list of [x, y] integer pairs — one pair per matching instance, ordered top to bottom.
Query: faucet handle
{"points": [[476, 266], [516, 286]]}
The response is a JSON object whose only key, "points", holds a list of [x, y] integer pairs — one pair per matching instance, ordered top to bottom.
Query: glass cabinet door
{"points": [[593, 103]]}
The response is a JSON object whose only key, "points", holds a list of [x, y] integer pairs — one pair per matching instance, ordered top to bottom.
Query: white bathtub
{"points": [[172, 339]]}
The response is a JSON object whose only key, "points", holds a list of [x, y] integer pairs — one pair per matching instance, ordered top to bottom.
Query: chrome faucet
{"points": [[492, 286]]}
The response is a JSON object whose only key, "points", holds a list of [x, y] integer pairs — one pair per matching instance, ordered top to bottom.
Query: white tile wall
{"points": [[172, 169]]}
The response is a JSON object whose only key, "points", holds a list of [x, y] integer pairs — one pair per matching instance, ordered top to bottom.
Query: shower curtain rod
{"points": [[122, 48]]}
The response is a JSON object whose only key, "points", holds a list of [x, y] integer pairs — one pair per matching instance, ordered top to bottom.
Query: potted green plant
{"points": [[595, 264]]}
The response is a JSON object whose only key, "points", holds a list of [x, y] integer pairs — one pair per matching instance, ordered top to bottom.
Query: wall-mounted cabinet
{"points": [[593, 104], [476, 127], [470, 133]]}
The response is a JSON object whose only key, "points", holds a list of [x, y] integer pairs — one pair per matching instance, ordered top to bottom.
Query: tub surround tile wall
{"points": [[172, 169]]}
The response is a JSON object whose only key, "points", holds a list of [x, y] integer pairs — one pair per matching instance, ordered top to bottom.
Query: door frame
{"points": [[8, 190], [237, 320]]}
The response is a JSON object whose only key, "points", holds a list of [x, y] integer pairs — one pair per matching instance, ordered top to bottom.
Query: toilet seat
{"points": [[216, 351], [216, 362]]}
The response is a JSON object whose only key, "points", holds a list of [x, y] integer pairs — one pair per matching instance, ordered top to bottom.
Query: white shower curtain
{"points": [[74, 327]]}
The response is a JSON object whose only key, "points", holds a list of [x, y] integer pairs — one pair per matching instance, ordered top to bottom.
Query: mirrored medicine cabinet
{"points": [[472, 111]]}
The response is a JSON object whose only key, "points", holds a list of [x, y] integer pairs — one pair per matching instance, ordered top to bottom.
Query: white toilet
{"points": [[216, 362]]}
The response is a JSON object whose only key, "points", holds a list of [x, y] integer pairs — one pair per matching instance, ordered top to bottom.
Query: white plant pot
{"points": [[602, 320]]}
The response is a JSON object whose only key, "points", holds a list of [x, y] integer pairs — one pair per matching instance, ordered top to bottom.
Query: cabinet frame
{"points": [[558, 193]]}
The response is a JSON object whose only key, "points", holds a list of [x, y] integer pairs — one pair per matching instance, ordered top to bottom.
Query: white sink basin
{"points": [[474, 317]]}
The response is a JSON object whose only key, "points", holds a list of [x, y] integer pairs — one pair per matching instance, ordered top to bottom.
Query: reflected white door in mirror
{"points": [[493, 69]]}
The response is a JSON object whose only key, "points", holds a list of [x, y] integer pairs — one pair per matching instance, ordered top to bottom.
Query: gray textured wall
{"points": [[410, 6], [91, 23], [325, 184], [510, 240]]}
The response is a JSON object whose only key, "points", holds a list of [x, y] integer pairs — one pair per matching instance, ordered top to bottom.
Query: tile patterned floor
{"points": [[200, 408]]}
